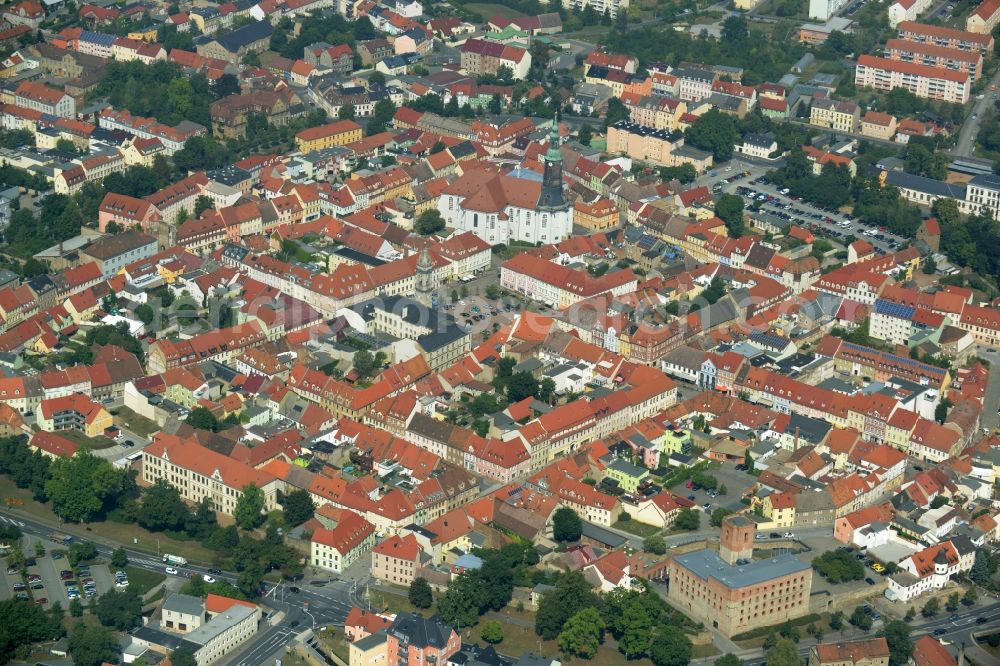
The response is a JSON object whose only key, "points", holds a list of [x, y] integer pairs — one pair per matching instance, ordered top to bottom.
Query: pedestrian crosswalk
{"points": [[11, 521]]}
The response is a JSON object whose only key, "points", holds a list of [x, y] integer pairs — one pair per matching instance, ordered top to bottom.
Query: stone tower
{"points": [[551, 196], [426, 284], [736, 542]]}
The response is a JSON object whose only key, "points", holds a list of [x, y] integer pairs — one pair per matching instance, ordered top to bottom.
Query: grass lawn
{"points": [[488, 10], [140, 425], [94, 443], [637, 528], [150, 542], [142, 580], [396, 603], [333, 640]]}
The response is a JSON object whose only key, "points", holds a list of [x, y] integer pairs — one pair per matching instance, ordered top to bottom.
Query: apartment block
{"points": [[943, 36], [933, 55], [921, 80]]}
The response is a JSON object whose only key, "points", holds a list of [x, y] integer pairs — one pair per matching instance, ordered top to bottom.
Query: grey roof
{"points": [[248, 34], [989, 181], [928, 185], [443, 329], [810, 429], [628, 468], [598, 533], [707, 564], [184, 603], [220, 623], [420, 631], [373, 640]]}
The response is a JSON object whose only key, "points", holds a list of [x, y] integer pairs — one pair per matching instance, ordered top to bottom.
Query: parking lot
{"points": [[763, 195], [43, 581]]}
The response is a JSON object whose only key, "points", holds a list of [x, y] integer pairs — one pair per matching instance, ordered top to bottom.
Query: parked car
{"points": [[172, 571], [208, 579], [870, 581]]}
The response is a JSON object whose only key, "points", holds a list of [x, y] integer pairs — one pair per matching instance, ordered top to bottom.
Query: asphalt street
{"points": [[966, 143], [312, 607]]}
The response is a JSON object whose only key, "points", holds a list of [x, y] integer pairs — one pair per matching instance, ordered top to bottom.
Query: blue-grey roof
{"points": [[248, 34], [97, 37], [929, 185], [893, 309], [625, 467], [598, 533], [707, 564]]}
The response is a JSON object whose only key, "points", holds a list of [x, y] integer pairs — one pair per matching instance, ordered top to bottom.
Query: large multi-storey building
{"points": [[612, 7], [821, 10], [985, 18], [943, 36], [925, 53], [922, 80], [46, 99], [835, 115], [327, 136], [660, 147], [499, 208], [561, 286], [198, 472], [737, 598]]}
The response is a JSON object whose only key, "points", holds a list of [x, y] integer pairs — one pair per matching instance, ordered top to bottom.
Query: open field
{"points": [[486, 10]]}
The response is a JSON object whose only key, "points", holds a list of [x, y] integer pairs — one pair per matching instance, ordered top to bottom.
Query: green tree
{"points": [[346, 112], [616, 112], [382, 114], [715, 132], [585, 134], [66, 146], [201, 204], [729, 208], [429, 222], [145, 313], [367, 364], [521, 385], [202, 418], [83, 486], [249, 507], [298, 507], [162, 508], [687, 519], [715, 520], [566, 525], [654, 544], [119, 559], [838, 566], [250, 579], [572, 593], [420, 594], [970, 596], [462, 601], [951, 605], [75, 608], [931, 608], [121, 609], [860, 619], [837, 620], [636, 629], [491, 632], [582, 634], [897, 635], [92, 646], [670, 647], [784, 653], [183, 657], [728, 659]]}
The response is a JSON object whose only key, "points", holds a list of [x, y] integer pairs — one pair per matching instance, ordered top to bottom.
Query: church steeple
{"points": [[551, 195], [425, 278]]}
